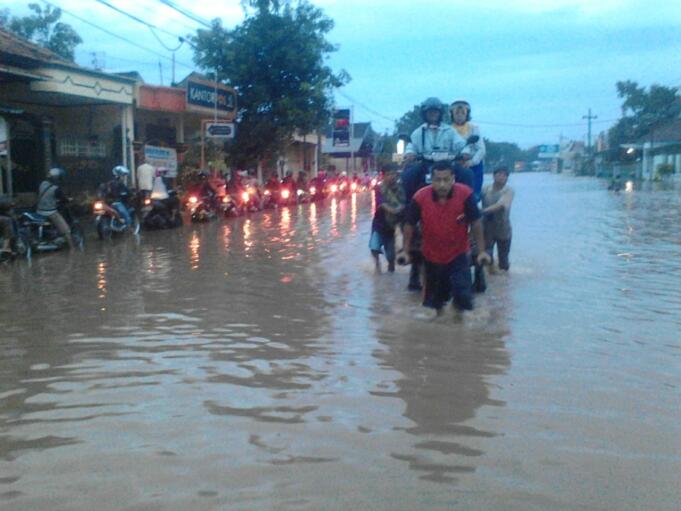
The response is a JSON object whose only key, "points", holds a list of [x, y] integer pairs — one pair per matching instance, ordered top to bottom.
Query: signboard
{"points": [[202, 96], [341, 127], [220, 129], [549, 151], [162, 157]]}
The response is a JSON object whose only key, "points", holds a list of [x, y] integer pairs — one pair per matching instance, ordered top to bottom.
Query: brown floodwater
{"points": [[260, 364]]}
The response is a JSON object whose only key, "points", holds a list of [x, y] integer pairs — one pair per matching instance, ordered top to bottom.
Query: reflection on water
{"points": [[353, 212], [314, 228], [194, 248], [101, 279], [281, 370]]}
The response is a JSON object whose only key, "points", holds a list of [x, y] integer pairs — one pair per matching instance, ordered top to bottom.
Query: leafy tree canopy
{"points": [[44, 28], [276, 61], [643, 110]]}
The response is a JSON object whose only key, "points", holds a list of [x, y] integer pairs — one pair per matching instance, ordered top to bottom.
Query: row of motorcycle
{"points": [[251, 198], [35, 233]]}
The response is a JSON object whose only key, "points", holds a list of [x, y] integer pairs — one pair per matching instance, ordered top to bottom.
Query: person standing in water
{"points": [[496, 209], [445, 211]]}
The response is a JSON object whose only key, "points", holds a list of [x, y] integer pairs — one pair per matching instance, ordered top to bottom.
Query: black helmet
{"points": [[461, 102], [432, 104]]}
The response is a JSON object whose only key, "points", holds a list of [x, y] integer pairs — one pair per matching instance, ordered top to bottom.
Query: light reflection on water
{"points": [[284, 370]]}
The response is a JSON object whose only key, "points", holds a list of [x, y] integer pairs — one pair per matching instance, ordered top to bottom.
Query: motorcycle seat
{"points": [[36, 218]]}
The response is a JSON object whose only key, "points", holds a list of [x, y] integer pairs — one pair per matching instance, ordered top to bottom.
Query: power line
{"points": [[185, 12], [151, 27], [113, 34], [364, 107], [566, 125]]}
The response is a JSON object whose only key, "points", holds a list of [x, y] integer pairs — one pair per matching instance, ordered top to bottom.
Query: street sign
{"points": [[218, 129], [549, 151]]}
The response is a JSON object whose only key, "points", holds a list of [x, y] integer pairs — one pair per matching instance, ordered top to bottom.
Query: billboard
{"points": [[341, 127], [162, 157]]}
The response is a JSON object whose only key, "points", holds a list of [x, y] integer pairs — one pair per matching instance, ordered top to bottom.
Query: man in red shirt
{"points": [[445, 210]]}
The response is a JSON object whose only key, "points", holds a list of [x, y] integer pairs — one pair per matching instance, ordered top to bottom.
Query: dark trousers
{"points": [[503, 249], [451, 280]]}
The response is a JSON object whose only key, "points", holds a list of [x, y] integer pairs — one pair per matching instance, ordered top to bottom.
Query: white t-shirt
{"points": [[145, 176]]}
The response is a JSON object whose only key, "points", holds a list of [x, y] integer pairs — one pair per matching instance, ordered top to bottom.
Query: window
{"points": [[81, 147]]}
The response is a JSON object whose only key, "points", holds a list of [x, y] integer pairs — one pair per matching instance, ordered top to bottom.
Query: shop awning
{"points": [[22, 73]]}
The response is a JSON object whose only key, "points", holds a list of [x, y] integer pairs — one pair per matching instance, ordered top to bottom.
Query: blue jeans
{"points": [[123, 211], [449, 280]]}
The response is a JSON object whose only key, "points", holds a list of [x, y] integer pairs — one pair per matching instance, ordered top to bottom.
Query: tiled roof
{"points": [[16, 46], [668, 132]]}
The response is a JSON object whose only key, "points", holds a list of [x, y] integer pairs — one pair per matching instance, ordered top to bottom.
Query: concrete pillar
{"points": [[46, 128], [179, 128], [127, 134]]}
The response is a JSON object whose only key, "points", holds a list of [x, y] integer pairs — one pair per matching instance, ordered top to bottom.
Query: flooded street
{"points": [[259, 364]]}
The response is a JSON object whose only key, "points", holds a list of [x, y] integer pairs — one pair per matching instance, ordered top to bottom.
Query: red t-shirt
{"points": [[444, 225]]}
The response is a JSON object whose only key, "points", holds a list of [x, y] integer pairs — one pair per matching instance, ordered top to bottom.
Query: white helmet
{"points": [[120, 171], [56, 172]]}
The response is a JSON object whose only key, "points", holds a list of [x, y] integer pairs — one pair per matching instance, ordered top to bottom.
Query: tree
{"points": [[45, 29], [275, 61], [642, 110], [502, 153]]}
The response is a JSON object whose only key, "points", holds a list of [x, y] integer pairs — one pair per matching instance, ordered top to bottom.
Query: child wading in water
{"points": [[389, 211]]}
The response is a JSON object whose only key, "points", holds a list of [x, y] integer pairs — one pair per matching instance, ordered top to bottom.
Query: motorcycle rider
{"points": [[474, 154], [272, 183], [163, 191], [116, 193], [50, 199]]}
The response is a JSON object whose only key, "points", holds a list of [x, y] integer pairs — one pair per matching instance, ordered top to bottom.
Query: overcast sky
{"points": [[531, 69]]}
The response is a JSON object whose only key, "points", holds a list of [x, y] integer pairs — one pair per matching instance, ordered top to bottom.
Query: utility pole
{"points": [[589, 118]]}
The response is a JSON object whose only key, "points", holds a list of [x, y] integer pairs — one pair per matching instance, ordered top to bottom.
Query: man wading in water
{"points": [[445, 210]]}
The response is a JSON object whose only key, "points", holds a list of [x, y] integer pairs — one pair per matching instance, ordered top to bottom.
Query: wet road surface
{"points": [[260, 364]]}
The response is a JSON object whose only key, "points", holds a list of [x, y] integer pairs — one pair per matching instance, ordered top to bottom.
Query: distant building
{"points": [[55, 112], [662, 146], [358, 157]]}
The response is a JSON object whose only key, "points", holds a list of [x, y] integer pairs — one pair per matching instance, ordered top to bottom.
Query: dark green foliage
{"points": [[45, 29], [276, 61], [642, 110]]}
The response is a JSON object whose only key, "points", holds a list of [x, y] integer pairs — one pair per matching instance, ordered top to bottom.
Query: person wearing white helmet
{"points": [[474, 154], [116, 193], [50, 199]]}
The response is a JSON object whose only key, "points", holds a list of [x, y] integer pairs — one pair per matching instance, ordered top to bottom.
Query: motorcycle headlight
{"points": [[313, 190], [299, 192], [244, 196], [225, 199], [193, 200], [147, 202], [99, 206]]}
